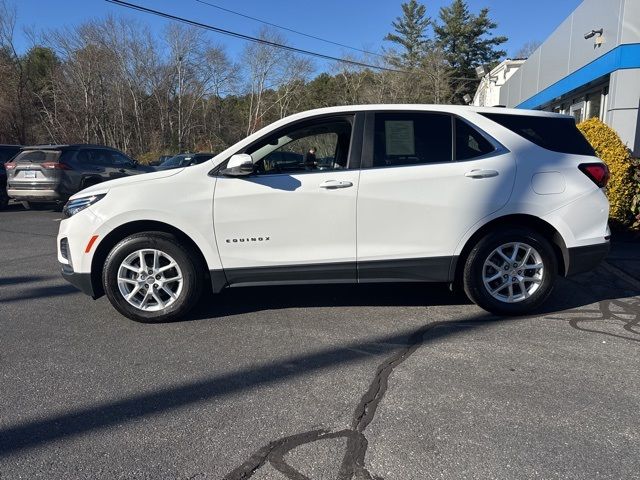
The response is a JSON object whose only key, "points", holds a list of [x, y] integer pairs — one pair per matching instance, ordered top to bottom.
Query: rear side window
{"points": [[556, 134], [412, 139], [469, 142], [37, 156]]}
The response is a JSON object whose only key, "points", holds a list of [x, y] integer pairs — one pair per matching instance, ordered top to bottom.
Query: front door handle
{"points": [[481, 174], [331, 184]]}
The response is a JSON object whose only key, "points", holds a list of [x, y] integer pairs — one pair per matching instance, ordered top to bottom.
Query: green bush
{"points": [[623, 188]]}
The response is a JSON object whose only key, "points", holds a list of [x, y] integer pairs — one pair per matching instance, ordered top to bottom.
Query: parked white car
{"points": [[499, 201]]}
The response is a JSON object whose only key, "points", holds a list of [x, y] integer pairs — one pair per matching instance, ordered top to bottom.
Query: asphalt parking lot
{"points": [[320, 382]]}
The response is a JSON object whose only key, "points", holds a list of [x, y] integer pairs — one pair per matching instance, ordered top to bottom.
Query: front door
{"points": [[427, 178], [294, 220]]}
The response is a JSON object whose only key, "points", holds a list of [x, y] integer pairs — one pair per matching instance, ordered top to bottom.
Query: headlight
{"points": [[78, 204]]}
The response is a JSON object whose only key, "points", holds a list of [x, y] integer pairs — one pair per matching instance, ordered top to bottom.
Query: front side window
{"points": [[412, 139], [308, 148], [119, 160]]}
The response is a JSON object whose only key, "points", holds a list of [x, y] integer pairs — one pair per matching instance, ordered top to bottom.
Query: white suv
{"points": [[500, 201]]}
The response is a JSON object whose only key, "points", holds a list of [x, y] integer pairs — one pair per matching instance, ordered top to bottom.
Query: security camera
{"points": [[593, 33], [467, 99]]}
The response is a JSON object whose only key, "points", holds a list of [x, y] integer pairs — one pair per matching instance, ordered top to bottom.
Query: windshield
{"points": [[176, 161]]}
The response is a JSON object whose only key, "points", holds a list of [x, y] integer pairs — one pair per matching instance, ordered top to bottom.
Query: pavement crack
{"points": [[353, 461]]}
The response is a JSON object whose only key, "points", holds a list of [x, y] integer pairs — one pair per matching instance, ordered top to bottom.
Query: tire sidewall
{"points": [[166, 243], [473, 273]]}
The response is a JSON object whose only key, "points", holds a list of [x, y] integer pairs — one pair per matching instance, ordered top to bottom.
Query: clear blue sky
{"points": [[360, 23]]}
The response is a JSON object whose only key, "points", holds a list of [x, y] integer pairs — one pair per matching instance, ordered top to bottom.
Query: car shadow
{"points": [[569, 294]]}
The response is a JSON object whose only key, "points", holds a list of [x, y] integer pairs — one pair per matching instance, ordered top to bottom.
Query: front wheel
{"points": [[510, 272], [151, 277]]}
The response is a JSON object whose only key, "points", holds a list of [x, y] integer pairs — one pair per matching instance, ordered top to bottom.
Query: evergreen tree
{"points": [[410, 33], [467, 42]]}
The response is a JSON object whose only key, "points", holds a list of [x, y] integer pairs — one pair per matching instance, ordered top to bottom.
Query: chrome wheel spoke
{"points": [[516, 249], [503, 255], [143, 264], [491, 264], [131, 267], [167, 267], [495, 277], [173, 279], [127, 280], [501, 287], [523, 289], [169, 292], [133, 293], [157, 298], [145, 299]]}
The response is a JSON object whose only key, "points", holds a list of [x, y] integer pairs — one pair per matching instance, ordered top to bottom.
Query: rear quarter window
{"points": [[557, 134]]}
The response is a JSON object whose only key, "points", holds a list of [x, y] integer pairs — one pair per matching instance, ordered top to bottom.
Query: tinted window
{"points": [[557, 134], [411, 139], [469, 142], [308, 148], [7, 154], [37, 156], [86, 157], [118, 159], [173, 161]]}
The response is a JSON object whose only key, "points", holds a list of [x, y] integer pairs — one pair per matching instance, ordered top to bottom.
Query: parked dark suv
{"points": [[7, 152], [52, 173]]}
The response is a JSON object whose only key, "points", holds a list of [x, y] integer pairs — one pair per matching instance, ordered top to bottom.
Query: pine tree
{"points": [[410, 33], [467, 42]]}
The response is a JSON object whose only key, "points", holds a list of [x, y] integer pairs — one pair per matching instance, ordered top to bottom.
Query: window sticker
{"points": [[399, 137]]}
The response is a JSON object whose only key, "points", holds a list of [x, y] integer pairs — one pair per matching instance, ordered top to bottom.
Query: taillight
{"points": [[9, 165], [55, 166], [597, 172]]}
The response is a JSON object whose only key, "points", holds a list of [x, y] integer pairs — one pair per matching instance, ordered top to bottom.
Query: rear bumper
{"points": [[35, 195], [584, 259], [82, 281]]}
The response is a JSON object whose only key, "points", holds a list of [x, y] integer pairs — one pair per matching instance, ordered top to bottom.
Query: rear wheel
{"points": [[4, 199], [510, 272], [151, 277]]}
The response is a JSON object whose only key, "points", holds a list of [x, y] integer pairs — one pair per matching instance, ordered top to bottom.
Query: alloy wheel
{"points": [[513, 272], [150, 280]]}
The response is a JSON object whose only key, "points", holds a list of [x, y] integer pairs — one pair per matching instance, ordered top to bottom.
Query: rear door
{"points": [[427, 178]]}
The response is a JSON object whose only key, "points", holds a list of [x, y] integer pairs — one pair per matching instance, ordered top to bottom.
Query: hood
{"points": [[104, 187]]}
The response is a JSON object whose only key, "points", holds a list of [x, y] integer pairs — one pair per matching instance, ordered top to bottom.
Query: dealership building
{"points": [[588, 67]]}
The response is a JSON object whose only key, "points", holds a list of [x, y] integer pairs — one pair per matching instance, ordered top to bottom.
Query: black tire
{"points": [[192, 274], [473, 282]]}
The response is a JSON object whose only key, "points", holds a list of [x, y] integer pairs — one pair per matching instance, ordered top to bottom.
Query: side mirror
{"points": [[239, 165]]}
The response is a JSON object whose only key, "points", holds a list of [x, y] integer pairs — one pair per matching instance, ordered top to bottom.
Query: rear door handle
{"points": [[481, 174], [331, 184]]}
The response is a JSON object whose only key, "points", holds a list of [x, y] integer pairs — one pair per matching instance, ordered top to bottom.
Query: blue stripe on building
{"points": [[620, 58]]}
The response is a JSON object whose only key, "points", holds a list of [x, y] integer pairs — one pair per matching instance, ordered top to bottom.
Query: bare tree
{"points": [[526, 50], [274, 76]]}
